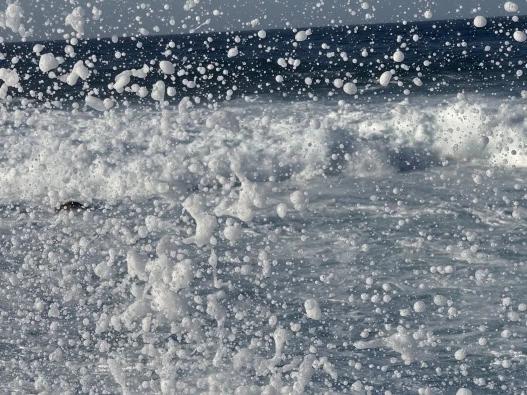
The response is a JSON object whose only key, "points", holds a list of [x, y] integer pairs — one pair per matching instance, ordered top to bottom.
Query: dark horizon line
{"points": [[249, 31]]}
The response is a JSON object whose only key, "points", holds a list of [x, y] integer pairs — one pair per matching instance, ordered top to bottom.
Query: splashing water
{"points": [[333, 209]]}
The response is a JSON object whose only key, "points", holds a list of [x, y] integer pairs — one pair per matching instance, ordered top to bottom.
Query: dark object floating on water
{"points": [[71, 206]]}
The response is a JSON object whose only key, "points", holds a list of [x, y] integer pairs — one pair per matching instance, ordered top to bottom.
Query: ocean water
{"points": [[267, 220]]}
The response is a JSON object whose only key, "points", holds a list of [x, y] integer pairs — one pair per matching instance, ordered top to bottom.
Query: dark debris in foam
{"points": [[72, 206]]}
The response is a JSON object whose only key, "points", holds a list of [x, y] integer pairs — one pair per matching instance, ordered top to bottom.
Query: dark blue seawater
{"points": [[462, 58]]}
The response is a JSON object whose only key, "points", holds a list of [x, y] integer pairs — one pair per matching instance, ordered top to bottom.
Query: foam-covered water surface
{"points": [[141, 152], [250, 249]]}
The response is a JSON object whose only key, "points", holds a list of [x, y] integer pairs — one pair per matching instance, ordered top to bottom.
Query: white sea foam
{"points": [[397, 137], [231, 269]]}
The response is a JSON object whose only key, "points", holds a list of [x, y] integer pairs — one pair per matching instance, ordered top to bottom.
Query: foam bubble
{"points": [[510, 6], [13, 18], [76, 20], [480, 21], [301, 35], [520, 36], [38, 48], [232, 52], [398, 56], [48, 62], [167, 67], [10, 77], [385, 78], [121, 80], [338, 83], [350, 88], [158, 92], [95, 103], [281, 210], [205, 223], [232, 232], [136, 265], [182, 275], [419, 307], [312, 309], [401, 342], [460, 354], [117, 372]]}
